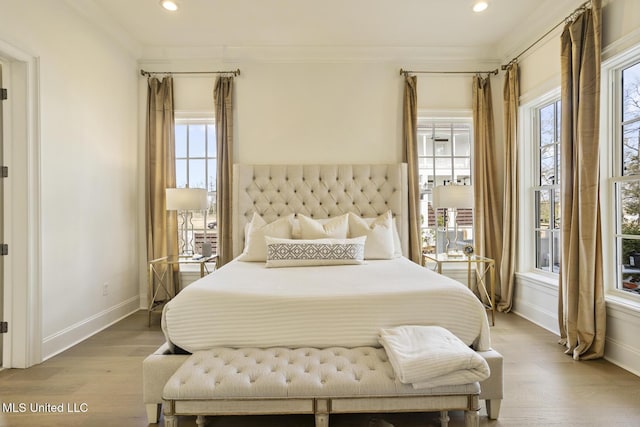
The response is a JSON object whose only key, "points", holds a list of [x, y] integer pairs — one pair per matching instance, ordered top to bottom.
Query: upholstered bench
{"points": [[225, 381]]}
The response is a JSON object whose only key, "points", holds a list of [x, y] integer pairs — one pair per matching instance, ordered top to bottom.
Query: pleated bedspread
{"points": [[245, 304]]}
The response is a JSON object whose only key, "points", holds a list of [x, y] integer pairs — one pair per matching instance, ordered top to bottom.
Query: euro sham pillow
{"points": [[334, 228], [379, 233], [255, 248], [314, 252]]}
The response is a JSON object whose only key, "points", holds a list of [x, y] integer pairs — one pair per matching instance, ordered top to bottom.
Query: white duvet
{"points": [[245, 304]]}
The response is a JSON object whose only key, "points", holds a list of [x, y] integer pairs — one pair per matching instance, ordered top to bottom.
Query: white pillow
{"points": [[335, 228], [379, 233], [397, 244], [255, 248], [300, 253]]}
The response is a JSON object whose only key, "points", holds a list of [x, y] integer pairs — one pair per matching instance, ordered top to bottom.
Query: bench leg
{"points": [[493, 408], [153, 409], [444, 418], [471, 418], [322, 420], [170, 421], [200, 421]]}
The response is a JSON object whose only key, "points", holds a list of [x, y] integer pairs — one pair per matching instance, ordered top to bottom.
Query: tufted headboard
{"points": [[318, 191]]}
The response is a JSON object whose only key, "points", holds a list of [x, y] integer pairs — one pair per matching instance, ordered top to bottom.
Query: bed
{"points": [[246, 304]]}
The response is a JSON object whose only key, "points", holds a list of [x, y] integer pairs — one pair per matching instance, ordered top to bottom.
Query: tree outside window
{"points": [[628, 185]]}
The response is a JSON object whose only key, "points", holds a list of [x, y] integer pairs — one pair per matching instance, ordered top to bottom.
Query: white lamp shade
{"points": [[453, 196], [186, 199]]}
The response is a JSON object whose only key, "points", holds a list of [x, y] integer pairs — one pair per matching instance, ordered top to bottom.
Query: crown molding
{"points": [[320, 54]]}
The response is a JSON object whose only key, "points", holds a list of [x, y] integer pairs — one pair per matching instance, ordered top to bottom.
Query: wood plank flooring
{"points": [[101, 380]]}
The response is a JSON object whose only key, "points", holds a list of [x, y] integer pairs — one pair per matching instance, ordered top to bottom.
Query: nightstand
{"points": [[482, 266], [161, 284]]}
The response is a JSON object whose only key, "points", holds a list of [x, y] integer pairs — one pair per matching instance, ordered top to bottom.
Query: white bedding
{"points": [[245, 304], [431, 356]]}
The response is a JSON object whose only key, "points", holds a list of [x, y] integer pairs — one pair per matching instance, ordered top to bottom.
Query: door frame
{"points": [[22, 268]]}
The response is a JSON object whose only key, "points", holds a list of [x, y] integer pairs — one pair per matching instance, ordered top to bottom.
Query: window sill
{"points": [[546, 280], [623, 301]]}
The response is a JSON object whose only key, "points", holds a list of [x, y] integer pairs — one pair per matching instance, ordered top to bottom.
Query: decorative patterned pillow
{"points": [[255, 248], [299, 253]]}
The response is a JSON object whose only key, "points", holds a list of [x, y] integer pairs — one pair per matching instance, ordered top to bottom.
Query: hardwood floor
{"points": [[101, 380]]}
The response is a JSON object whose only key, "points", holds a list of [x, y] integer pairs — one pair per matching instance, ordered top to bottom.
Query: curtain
{"points": [[511, 93], [223, 98], [410, 157], [160, 171], [487, 213], [581, 307]]}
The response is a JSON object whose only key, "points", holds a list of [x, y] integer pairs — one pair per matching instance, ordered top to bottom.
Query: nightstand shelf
{"points": [[161, 284]]}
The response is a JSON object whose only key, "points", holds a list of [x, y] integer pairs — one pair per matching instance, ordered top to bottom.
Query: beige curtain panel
{"points": [[511, 95], [223, 99], [410, 156], [160, 171], [487, 210], [581, 307]]}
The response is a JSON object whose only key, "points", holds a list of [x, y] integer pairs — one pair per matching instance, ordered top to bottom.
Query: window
{"points": [[195, 145], [444, 153], [627, 176], [547, 189]]}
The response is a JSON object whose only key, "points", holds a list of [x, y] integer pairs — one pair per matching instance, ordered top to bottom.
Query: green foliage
{"points": [[630, 246]]}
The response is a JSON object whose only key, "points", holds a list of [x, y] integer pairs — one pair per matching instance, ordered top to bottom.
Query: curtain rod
{"points": [[572, 16], [405, 72], [150, 73]]}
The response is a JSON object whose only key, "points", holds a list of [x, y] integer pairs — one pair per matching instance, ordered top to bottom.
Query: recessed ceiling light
{"points": [[169, 5], [480, 6]]}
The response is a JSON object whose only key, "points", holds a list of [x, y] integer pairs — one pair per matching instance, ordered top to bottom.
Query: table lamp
{"points": [[453, 197], [185, 201]]}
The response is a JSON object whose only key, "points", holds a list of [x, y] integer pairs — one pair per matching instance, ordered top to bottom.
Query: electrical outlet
{"points": [[105, 289]]}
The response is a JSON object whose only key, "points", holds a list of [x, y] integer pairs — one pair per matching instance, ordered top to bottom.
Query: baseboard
{"points": [[532, 299], [80, 331], [622, 346], [622, 355]]}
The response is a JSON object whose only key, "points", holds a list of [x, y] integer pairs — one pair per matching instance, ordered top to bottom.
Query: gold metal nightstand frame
{"points": [[482, 266]]}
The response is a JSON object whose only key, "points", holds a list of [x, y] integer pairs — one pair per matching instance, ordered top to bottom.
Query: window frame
{"points": [[200, 118], [197, 119], [430, 120], [528, 164], [612, 174], [552, 189]]}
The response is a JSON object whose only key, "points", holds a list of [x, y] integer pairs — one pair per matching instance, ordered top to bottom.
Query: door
{"points": [[1, 220]]}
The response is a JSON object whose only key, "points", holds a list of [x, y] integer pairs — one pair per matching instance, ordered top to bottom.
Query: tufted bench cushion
{"points": [[304, 380]]}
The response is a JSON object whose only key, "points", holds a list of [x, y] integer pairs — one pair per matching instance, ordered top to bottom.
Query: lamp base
{"points": [[206, 249]]}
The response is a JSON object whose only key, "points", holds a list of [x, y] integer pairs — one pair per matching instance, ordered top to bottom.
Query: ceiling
{"points": [[431, 27]]}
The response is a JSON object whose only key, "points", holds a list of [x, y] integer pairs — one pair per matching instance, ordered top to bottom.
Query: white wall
{"points": [[317, 112], [88, 169], [535, 296]]}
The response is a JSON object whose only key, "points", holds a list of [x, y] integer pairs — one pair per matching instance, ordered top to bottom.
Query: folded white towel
{"points": [[431, 356]]}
